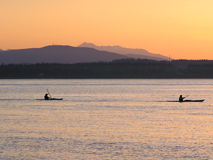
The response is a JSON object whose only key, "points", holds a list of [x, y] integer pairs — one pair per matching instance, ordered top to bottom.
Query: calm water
{"points": [[106, 119]]}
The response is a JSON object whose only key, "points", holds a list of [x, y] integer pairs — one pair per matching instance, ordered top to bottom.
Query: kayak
{"points": [[51, 99], [54, 99], [194, 100], [201, 100]]}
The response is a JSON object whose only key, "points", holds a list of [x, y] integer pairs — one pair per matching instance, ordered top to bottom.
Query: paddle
{"points": [[49, 93], [186, 96]]}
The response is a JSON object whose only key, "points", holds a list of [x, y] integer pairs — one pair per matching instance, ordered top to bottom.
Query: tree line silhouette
{"points": [[125, 68]]}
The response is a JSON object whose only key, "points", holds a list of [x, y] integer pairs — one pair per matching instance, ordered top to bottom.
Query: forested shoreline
{"points": [[118, 69]]}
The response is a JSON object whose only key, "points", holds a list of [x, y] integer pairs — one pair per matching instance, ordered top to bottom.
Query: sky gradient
{"points": [[181, 29]]}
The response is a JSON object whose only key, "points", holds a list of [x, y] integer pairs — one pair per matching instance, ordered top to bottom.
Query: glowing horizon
{"points": [[179, 29]]}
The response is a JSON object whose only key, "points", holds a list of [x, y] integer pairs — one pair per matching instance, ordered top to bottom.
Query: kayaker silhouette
{"points": [[46, 96], [181, 98]]}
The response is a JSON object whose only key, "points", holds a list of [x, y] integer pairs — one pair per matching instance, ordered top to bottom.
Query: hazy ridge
{"points": [[129, 52]]}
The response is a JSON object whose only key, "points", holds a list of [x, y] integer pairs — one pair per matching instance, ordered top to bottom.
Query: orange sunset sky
{"points": [[181, 29]]}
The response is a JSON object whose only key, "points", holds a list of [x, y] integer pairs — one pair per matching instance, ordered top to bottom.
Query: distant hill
{"points": [[1, 50], [132, 53], [57, 54]]}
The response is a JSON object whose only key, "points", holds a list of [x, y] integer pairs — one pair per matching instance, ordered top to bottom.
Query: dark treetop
{"points": [[126, 68]]}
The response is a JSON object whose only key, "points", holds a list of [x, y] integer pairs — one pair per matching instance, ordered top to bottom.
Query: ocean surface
{"points": [[106, 119]]}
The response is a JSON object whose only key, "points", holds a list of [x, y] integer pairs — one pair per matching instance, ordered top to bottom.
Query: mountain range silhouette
{"points": [[69, 55]]}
